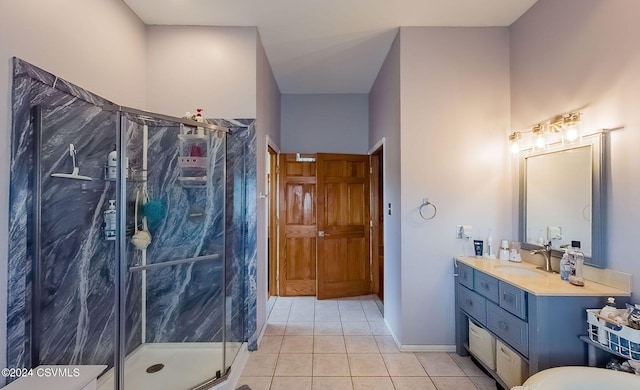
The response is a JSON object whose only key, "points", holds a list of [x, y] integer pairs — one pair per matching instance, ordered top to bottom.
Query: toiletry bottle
{"points": [[200, 118], [112, 164], [110, 221], [490, 245], [565, 265], [577, 277], [608, 311]]}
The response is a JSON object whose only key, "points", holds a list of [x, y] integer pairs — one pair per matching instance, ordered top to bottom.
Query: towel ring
{"points": [[426, 203]]}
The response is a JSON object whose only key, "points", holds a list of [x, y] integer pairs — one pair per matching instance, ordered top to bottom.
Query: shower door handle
{"points": [[172, 262]]}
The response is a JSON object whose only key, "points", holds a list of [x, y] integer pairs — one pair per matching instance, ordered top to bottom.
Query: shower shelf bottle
{"points": [[110, 221]]}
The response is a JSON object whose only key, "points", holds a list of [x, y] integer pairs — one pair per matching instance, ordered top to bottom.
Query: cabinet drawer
{"points": [[465, 275], [486, 285], [513, 300], [472, 303], [509, 328]]}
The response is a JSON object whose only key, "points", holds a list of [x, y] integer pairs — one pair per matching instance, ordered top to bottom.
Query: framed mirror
{"points": [[563, 198]]}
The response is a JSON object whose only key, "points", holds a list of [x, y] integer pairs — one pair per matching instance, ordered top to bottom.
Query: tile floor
{"points": [[345, 344]]}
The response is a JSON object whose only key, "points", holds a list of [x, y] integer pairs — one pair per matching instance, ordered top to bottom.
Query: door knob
{"points": [[320, 233]]}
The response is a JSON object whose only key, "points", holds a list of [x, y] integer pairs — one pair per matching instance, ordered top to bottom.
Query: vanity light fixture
{"points": [[568, 125], [572, 125], [539, 138], [514, 141]]}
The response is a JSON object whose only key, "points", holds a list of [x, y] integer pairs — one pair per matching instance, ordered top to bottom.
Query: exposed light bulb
{"points": [[572, 125], [571, 133], [514, 141], [540, 142], [515, 148]]}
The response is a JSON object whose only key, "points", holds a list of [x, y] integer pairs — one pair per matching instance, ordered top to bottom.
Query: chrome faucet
{"points": [[545, 251]]}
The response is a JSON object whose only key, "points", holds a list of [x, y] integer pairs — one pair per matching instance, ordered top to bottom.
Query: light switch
{"points": [[463, 231], [554, 233]]}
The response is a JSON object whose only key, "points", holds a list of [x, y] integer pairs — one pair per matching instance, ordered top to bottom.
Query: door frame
{"points": [[273, 225], [377, 281]]}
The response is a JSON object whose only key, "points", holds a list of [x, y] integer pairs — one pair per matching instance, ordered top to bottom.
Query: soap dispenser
{"points": [[565, 264], [577, 278]]}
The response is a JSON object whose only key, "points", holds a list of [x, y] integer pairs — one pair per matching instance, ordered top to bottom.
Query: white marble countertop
{"points": [[537, 282]]}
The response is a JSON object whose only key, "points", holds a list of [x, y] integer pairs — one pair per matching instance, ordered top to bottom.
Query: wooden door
{"points": [[343, 225], [297, 226]]}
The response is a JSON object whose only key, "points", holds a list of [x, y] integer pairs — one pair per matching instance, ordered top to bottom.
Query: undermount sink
{"points": [[518, 270]]}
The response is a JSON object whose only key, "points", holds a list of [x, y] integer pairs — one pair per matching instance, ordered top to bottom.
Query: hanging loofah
{"points": [[154, 211], [141, 238]]}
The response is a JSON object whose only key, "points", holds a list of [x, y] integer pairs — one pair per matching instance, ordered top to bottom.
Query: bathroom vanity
{"points": [[535, 316]]}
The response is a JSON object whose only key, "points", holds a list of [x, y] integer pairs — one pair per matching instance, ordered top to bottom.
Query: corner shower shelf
{"points": [[193, 137], [193, 160], [133, 175], [193, 181]]}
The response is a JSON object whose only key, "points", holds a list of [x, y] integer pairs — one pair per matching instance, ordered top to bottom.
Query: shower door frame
{"points": [[123, 269]]}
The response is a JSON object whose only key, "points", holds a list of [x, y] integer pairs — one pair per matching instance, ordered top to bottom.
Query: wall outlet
{"points": [[463, 231]]}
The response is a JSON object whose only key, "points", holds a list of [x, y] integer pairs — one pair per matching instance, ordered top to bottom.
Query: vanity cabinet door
{"points": [[465, 275], [487, 286], [513, 300], [473, 304], [509, 328]]}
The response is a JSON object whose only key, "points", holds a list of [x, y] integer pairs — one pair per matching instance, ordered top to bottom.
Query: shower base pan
{"points": [[170, 366]]}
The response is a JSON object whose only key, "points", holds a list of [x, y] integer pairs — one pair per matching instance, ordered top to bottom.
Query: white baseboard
{"points": [[262, 331], [419, 348], [427, 348]]}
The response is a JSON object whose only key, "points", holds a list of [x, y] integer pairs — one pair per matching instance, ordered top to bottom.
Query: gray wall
{"points": [[104, 52], [590, 60], [213, 68], [454, 94], [455, 112], [384, 122], [325, 123], [267, 125]]}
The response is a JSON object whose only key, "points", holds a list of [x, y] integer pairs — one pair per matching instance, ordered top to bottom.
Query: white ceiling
{"points": [[328, 46]]}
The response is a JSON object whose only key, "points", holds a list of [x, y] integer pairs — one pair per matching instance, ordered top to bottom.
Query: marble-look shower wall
{"points": [[78, 267], [184, 302]]}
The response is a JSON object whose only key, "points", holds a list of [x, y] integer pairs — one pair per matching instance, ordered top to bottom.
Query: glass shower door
{"points": [[174, 253]]}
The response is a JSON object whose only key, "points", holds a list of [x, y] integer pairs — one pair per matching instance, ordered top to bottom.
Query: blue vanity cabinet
{"points": [[543, 329]]}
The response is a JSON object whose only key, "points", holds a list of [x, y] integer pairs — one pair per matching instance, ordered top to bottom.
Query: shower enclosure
{"points": [[125, 243]]}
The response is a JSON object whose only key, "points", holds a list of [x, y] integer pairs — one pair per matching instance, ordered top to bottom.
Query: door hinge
{"points": [[277, 170], [371, 170], [371, 223]]}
